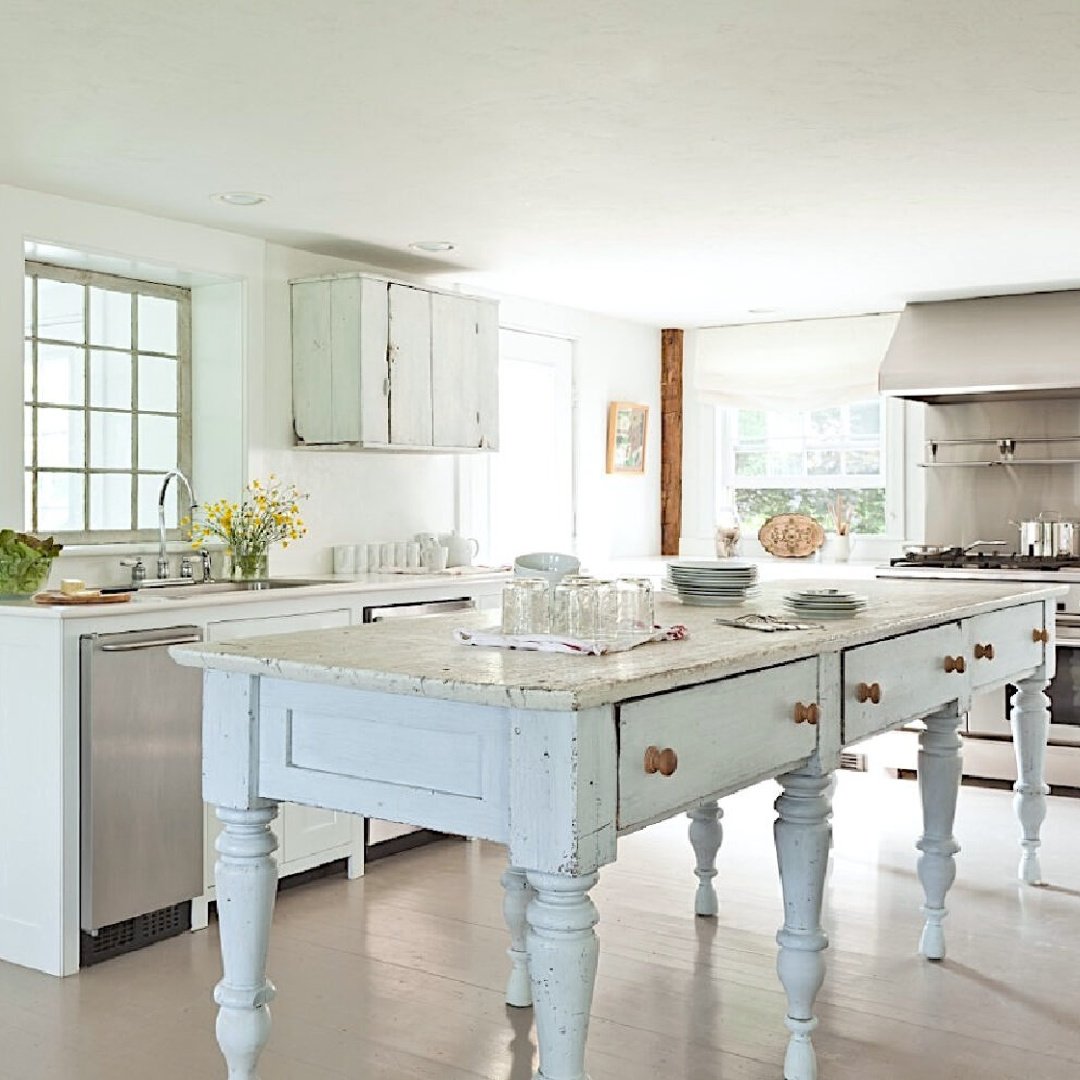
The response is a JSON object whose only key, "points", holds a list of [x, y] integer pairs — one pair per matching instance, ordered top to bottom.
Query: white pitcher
{"points": [[462, 549]]}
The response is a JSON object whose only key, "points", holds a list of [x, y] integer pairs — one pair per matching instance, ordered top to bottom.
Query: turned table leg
{"points": [[1030, 721], [939, 783], [802, 834], [706, 835], [246, 875], [517, 893], [563, 951]]}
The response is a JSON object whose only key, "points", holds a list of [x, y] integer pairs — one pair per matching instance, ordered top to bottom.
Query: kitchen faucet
{"points": [[163, 559]]}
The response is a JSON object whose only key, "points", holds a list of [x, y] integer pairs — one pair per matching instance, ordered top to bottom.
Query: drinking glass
{"points": [[727, 532], [400, 554], [412, 554], [386, 555], [344, 559], [635, 605], [526, 607], [573, 609], [607, 609]]}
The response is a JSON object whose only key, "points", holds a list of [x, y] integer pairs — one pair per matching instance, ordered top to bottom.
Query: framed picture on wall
{"points": [[627, 428]]}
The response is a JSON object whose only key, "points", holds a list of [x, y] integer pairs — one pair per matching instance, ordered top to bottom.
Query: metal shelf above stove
{"points": [[1006, 446]]}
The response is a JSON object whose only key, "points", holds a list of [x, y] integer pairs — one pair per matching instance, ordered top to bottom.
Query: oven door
{"points": [[1064, 689]]}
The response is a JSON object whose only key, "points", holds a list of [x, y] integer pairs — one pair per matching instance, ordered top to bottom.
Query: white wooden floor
{"points": [[401, 975]]}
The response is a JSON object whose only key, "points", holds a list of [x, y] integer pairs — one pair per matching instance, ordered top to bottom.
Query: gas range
{"points": [[955, 563]]}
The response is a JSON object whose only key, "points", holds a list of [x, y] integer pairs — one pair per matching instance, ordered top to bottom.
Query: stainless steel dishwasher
{"points": [[141, 821], [389, 837]]}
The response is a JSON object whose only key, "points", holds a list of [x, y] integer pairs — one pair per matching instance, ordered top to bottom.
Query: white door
{"points": [[531, 492]]}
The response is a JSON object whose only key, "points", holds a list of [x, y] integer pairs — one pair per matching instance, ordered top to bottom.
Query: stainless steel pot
{"points": [[1047, 536]]}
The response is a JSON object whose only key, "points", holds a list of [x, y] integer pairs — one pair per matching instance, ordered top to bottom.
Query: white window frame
{"points": [[184, 422], [892, 443]]}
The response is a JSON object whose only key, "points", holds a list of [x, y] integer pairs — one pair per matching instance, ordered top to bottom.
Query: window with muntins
{"points": [[107, 390], [800, 462]]}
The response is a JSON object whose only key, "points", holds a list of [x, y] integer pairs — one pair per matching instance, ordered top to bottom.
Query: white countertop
{"points": [[318, 586], [422, 658]]}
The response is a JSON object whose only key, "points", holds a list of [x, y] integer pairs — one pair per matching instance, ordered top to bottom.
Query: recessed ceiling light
{"points": [[240, 198], [432, 245], [761, 311]]}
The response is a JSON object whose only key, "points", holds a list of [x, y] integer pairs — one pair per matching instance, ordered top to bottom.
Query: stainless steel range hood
{"points": [[1001, 347]]}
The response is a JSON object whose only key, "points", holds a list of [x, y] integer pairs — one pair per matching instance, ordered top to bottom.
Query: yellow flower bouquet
{"points": [[267, 513]]}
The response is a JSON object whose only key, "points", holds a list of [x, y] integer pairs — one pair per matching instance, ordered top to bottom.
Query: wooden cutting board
{"points": [[791, 536], [90, 596]]}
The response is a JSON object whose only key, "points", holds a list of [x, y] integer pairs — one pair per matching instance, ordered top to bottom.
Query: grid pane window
{"points": [[107, 379], [799, 462]]}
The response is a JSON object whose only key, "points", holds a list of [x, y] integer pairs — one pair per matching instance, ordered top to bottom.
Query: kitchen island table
{"points": [[556, 756]]}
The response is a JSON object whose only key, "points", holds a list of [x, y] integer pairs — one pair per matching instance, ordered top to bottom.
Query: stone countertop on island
{"points": [[421, 658]]}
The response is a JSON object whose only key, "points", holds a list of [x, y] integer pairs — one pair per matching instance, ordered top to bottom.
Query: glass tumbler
{"points": [[635, 605], [526, 607], [573, 609], [607, 609]]}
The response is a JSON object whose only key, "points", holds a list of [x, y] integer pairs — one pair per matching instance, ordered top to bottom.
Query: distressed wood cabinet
{"points": [[381, 364]]}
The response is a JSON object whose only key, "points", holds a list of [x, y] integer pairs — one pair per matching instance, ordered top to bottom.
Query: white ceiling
{"points": [[681, 164]]}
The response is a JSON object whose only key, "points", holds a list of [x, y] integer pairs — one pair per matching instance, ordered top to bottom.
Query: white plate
{"points": [[713, 564], [720, 586], [822, 595], [712, 601], [812, 615]]}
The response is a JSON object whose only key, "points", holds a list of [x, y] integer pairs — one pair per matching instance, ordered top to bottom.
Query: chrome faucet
{"points": [[163, 559]]}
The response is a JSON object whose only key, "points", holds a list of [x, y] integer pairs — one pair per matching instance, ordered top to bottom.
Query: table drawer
{"points": [[1002, 643], [906, 678], [723, 734]]}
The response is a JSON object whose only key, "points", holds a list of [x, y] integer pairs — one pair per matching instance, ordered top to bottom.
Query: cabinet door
{"points": [[410, 366], [487, 372], [340, 374], [313, 388], [454, 403]]}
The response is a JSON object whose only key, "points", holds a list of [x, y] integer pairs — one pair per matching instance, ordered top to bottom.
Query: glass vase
{"points": [[252, 564]]}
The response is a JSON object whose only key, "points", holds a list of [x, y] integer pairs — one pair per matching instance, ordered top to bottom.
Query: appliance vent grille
{"points": [[855, 762], [131, 934]]}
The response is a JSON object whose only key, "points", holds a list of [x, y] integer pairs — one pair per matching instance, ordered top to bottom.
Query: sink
{"points": [[212, 588]]}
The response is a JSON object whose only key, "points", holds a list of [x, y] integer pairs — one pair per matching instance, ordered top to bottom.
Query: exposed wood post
{"points": [[671, 406]]}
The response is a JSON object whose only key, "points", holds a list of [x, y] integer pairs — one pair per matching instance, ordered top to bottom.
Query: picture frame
{"points": [[628, 428]]}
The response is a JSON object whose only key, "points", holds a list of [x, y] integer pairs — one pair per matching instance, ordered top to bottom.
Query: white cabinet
{"points": [[383, 364], [307, 836]]}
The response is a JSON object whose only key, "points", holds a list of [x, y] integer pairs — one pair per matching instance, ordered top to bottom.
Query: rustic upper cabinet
{"points": [[381, 364]]}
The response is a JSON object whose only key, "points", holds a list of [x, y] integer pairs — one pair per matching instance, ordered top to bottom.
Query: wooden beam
{"points": [[671, 418]]}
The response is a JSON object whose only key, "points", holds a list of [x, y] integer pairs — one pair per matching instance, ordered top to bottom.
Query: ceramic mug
{"points": [[433, 557], [344, 558]]}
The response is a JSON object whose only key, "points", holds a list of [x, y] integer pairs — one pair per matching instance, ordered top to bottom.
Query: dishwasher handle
{"points": [[419, 610], [157, 643]]}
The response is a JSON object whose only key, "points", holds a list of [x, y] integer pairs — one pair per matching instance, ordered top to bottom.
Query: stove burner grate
{"points": [[956, 558]]}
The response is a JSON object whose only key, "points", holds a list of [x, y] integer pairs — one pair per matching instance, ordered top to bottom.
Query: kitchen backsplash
{"points": [[965, 504]]}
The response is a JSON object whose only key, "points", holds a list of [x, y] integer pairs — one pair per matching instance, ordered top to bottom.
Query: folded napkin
{"points": [[560, 644]]}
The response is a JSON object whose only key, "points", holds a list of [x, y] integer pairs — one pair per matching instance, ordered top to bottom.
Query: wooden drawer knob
{"points": [[1040, 635], [984, 652], [955, 663], [868, 692], [807, 714], [664, 762]]}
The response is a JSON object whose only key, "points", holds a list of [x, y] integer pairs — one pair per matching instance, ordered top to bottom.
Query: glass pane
{"points": [[28, 306], [60, 310], [110, 318], [157, 325], [28, 372], [61, 374], [110, 379], [157, 383], [865, 419], [825, 424], [752, 425], [28, 436], [60, 438], [110, 441], [157, 442], [822, 462], [862, 462], [749, 464], [784, 464], [149, 487], [28, 501], [60, 501], [110, 501]]}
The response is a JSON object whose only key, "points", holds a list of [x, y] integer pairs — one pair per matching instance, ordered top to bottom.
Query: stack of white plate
{"points": [[712, 582], [824, 603]]}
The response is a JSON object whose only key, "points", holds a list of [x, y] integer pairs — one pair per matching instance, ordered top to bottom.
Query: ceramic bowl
{"points": [[549, 565]]}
